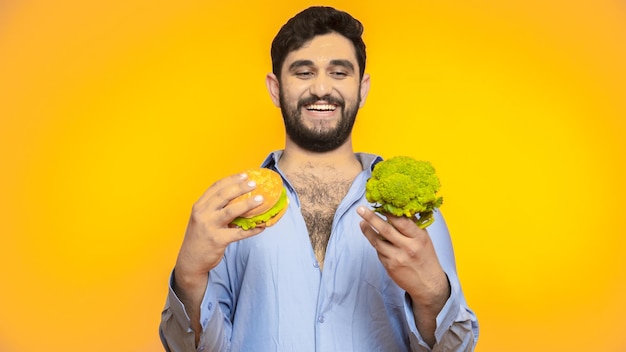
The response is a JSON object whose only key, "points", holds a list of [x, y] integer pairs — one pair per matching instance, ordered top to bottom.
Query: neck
{"points": [[295, 158]]}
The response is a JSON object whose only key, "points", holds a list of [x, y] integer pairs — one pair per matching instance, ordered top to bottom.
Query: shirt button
{"points": [[316, 265], [210, 305], [320, 319], [201, 348]]}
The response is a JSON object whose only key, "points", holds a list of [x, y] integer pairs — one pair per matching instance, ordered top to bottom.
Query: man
{"points": [[322, 278]]}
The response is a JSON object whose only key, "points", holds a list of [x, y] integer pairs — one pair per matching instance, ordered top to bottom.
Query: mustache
{"points": [[314, 99]]}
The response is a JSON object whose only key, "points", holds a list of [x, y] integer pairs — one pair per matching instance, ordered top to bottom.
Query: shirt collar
{"points": [[367, 160]]}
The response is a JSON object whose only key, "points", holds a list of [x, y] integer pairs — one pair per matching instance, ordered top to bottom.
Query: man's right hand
{"points": [[209, 233]]}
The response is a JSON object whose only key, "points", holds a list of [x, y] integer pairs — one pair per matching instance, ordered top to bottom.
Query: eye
{"points": [[304, 74], [339, 74]]}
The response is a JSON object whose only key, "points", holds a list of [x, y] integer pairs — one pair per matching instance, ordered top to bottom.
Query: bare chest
{"points": [[319, 200]]}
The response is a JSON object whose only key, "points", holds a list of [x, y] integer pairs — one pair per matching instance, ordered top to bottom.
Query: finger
{"points": [[224, 190], [232, 210], [371, 217], [405, 226], [382, 227], [377, 232], [370, 233], [240, 234], [384, 248]]}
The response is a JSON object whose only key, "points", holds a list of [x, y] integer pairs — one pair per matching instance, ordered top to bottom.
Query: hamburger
{"points": [[269, 184]]}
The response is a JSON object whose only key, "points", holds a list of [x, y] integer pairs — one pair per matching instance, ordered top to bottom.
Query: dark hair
{"points": [[314, 21]]}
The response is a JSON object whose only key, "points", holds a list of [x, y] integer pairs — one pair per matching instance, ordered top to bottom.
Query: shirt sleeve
{"points": [[457, 327], [175, 329]]}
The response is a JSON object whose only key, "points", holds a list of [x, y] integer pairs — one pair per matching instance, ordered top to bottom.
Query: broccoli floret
{"points": [[403, 186]]}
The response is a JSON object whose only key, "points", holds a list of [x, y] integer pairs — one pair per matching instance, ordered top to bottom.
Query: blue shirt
{"points": [[268, 293]]}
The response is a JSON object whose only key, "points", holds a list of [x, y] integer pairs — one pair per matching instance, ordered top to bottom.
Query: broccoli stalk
{"points": [[403, 186]]}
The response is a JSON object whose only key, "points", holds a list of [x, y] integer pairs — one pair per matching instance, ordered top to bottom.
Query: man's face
{"points": [[320, 92]]}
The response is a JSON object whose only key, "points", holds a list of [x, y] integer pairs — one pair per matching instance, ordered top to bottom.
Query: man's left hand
{"points": [[408, 254]]}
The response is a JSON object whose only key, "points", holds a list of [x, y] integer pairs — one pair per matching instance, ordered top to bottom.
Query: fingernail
{"points": [[243, 176], [251, 184], [258, 198], [360, 210]]}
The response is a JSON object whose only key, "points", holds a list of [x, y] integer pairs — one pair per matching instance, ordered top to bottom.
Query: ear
{"points": [[273, 87], [365, 89]]}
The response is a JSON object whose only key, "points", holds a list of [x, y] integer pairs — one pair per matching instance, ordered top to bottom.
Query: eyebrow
{"points": [[336, 62], [300, 63], [344, 63]]}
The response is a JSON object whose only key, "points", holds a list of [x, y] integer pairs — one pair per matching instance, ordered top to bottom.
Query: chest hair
{"points": [[319, 199]]}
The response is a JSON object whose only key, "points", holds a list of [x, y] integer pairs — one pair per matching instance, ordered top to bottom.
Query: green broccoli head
{"points": [[403, 186]]}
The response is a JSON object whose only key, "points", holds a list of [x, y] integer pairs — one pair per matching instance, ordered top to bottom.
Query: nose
{"points": [[320, 86]]}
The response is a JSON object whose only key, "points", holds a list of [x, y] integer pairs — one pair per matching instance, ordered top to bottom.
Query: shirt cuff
{"points": [[177, 308], [446, 317]]}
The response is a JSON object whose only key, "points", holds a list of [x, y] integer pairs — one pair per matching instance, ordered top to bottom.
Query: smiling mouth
{"points": [[320, 107]]}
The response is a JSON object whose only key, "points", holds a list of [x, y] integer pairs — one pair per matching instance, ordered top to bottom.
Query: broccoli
{"points": [[403, 186]]}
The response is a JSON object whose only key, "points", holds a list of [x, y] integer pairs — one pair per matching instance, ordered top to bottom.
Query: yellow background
{"points": [[115, 116]]}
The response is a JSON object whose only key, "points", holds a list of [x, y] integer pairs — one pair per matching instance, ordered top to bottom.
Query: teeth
{"points": [[321, 107]]}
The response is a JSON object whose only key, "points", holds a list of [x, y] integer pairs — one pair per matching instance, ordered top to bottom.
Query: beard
{"points": [[320, 138]]}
